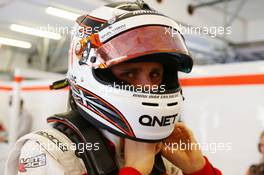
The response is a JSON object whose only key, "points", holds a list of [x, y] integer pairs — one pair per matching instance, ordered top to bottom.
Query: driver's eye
{"points": [[130, 74], [155, 74]]}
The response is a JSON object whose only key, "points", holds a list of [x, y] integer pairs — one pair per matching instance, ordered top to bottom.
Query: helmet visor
{"points": [[141, 41]]}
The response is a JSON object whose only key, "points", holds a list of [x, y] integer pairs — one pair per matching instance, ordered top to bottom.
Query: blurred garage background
{"points": [[224, 103]]}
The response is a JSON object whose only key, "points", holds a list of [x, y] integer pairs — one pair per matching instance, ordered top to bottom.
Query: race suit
{"points": [[49, 152]]}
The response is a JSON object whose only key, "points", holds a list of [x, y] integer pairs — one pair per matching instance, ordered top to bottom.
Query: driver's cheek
{"points": [[143, 80], [156, 81]]}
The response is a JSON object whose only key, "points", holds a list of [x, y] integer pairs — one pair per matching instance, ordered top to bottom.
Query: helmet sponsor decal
{"points": [[137, 12], [143, 12], [129, 14], [113, 31], [156, 96], [153, 121], [55, 140], [31, 162]]}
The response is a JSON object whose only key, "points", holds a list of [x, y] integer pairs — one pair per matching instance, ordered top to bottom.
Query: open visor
{"points": [[142, 41]]}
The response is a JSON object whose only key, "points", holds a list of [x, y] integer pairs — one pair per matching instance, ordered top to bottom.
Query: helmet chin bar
{"points": [[141, 120], [113, 131]]}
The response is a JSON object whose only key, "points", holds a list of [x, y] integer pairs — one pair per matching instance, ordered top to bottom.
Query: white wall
{"points": [[255, 32], [12, 58], [4, 100], [40, 103], [231, 115]]}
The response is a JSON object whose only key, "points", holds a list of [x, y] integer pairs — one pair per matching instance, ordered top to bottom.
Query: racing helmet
{"points": [[127, 32]]}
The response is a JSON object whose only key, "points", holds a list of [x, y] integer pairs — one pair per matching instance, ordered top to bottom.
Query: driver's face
{"points": [[141, 73]]}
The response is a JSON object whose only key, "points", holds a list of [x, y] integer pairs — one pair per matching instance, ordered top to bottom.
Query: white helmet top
{"points": [[127, 32]]}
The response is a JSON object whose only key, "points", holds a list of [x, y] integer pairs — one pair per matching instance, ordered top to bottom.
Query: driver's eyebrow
{"points": [[131, 69], [156, 69]]}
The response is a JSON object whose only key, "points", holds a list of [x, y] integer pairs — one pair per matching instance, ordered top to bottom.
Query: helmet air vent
{"points": [[150, 104]]}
